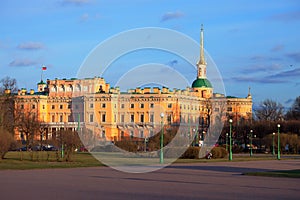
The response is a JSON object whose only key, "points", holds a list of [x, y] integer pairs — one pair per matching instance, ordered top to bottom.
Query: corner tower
{"points": [[202, 85]]}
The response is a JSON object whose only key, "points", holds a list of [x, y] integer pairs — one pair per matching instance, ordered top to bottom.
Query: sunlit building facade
{"points": [[114, 115]]}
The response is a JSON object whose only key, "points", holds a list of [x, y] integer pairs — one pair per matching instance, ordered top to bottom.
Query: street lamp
{"points": [[195, 130], [250, 137], [202, 138], [230, 139], [226, 142], [273, 143], [145, 144], [278, 152], [161, 157]]}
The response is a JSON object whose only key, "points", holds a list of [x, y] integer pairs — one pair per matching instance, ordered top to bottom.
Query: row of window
{"points": [[69, 88], [103, 105], [151, 105], [33, 106], [61, 106], [229, 109], [61, 118], [70, 118], [122, 118], [132, 118], [141, 134]]}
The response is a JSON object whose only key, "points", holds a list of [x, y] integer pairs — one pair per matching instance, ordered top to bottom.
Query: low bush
{"points": [[6, 142], [127, 145], [173, 152], [218, 152], [191, 153]]}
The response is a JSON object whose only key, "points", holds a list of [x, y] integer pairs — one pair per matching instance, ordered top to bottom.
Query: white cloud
{"points": [[75, 2], [172, 15], [84, 17], [87, 17], [287, 17], [31, 46], [277, 48], [295, 56], [22, 62]]}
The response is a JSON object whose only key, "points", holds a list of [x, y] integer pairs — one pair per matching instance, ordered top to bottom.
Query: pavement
{"points": [[211, 180]]}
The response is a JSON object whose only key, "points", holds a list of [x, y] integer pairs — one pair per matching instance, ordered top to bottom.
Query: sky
{"points": [[253, 43]]}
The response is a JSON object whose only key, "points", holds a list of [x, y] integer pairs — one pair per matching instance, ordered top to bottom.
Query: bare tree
{"points": [[8, 83], [269, 110], [7, 112], [294, 112], [6, 123], [27, 124], [42, 131], [6, 141], [70, 141]]}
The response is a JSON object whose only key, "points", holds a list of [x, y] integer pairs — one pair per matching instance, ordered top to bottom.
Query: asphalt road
{"points": [[218, 180]]}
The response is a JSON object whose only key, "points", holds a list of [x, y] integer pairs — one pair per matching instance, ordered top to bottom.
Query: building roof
{"points": [[201, 82], [41, 83]]}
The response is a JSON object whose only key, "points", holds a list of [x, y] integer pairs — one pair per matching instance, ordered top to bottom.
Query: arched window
{"points": [[54, 88], [61, 88], [69, 88], [77, 88], [85, 88]]}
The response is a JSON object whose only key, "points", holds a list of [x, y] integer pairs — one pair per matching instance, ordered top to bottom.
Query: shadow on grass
{"points": [[45, 160], [230, 169], [281, 173]]}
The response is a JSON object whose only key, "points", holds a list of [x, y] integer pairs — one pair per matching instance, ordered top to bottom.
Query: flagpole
{"points": [[43, 68], [42, 75]]}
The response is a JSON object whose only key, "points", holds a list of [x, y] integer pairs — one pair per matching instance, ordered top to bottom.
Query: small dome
{"points": [[41, 82], [201, 82]]}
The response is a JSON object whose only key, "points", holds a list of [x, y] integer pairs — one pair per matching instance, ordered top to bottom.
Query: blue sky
{"points": [[253, 43]]}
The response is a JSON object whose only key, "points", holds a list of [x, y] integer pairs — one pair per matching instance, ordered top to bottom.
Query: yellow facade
{"points": [[113, 115]]}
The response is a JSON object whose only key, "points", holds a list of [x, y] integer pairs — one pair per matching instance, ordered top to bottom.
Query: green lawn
{"points": [[45, 159], [52, 159], [282, 173]]}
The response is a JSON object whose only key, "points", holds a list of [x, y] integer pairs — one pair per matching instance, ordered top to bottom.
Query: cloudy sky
{"points": [[253, 43]]}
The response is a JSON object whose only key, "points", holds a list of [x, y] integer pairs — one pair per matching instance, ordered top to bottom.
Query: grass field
{"points": [[45, 159], [52, 159], [282, 173]]}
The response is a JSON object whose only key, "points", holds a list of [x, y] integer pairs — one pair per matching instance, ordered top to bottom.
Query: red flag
{"points": [[44, 68]]}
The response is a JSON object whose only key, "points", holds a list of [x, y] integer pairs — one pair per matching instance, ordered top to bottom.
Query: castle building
{"points": [[113, 115]]}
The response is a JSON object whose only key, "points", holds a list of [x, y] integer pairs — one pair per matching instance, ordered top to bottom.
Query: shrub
{"points": [[69, 140], [6, 141], [127, 145], [174, 152], [218, 152], [191, 153]]}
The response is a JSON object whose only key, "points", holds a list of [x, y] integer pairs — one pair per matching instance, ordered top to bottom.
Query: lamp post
{"points": [[190, 130], [195, 130], [202, 138], [250, 138], [230, 139], [226, 142], [273, 143], [145, 144], [278, 152], [161, 157]]}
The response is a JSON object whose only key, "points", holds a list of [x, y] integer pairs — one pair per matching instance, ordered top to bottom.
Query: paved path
{"points": [[217, 180]]}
